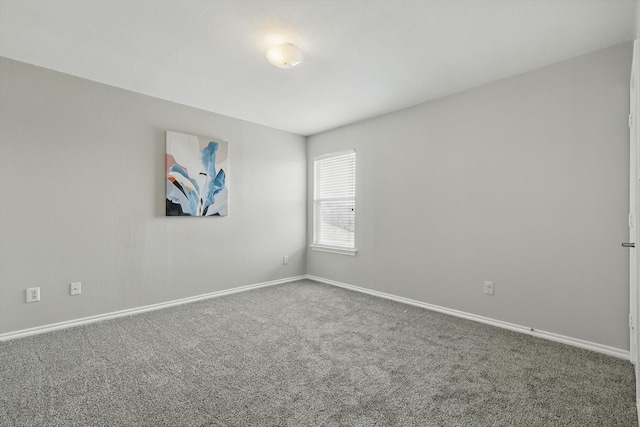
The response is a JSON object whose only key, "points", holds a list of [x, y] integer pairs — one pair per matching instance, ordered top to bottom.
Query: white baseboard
{"points": [[137, 310], [600, 348]]}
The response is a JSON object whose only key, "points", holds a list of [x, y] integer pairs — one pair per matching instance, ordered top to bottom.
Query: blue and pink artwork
{"points": [[197, 175]]}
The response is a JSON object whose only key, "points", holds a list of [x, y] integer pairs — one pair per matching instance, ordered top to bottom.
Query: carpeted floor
{"points": [[306, 354]]}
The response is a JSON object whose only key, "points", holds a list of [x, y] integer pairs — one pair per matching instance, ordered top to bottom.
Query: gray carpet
{"points": [[306, 354]]}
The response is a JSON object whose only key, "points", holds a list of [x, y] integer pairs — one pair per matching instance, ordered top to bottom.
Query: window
{"points": [[334, 196]]}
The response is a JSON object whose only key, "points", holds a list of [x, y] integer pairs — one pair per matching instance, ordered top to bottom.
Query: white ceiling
{"points": [[363, 58]]}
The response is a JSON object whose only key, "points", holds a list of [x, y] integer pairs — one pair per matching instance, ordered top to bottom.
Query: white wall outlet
{"points": [[285, 259], [488, 287], [75, 288], [33, 294]]}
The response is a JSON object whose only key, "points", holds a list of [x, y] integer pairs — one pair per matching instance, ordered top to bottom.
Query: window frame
{"points": [[324, 247]]}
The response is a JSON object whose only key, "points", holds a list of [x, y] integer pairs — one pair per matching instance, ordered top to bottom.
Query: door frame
{"points": [[633, 206], [634, 217]]}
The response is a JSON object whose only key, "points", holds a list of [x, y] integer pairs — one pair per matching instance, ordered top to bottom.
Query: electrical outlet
{"points": [[285, 259], [488, 287], [75, 288], [33, 294]]}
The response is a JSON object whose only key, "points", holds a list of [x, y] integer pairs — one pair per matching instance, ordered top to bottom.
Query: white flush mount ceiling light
{"points": [[284, 55]]}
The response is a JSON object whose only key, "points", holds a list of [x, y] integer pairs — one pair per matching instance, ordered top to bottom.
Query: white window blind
{"points": [[334, 196]]}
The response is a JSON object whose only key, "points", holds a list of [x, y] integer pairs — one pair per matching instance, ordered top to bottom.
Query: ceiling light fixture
{"points": [[284, 55]]}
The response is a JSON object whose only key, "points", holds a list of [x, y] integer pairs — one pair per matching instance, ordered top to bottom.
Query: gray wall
{"points": [[523, 182], [82, 199]]}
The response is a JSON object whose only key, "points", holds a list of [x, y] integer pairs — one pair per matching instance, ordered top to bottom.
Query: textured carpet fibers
{"points": [[306, 354]]}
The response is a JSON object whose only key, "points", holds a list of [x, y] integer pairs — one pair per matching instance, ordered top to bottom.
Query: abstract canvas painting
{"points": [[197, 172]]}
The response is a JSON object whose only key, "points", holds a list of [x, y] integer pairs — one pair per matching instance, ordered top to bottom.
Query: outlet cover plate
{"points": [[488, 287], [75, 288], [33, 294]]}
